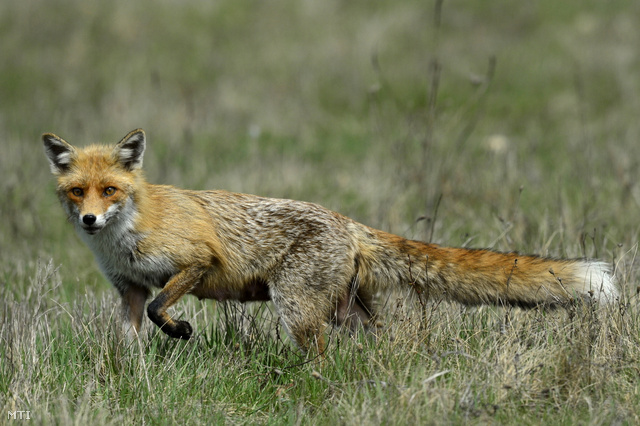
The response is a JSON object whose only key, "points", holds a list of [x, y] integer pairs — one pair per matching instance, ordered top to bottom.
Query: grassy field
{"points": [[509, 125]]}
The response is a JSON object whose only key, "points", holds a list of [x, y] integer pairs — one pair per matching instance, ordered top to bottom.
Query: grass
{"points": [[527, 142]]}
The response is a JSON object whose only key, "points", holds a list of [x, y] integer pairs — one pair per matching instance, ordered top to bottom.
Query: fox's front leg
{"points": [[179, 285], [133, 299]]}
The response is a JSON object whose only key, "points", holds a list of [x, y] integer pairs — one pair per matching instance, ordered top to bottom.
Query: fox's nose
{"points": [[89, 219]]}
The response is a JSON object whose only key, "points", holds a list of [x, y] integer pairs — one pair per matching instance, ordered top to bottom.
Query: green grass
{"points": [[331, 102]]}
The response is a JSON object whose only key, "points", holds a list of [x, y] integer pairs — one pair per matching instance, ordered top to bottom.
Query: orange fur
{"points": [[317, 266]]}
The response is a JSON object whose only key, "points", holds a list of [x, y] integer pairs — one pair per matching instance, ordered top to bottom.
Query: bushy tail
{"points": [[475, 277]]}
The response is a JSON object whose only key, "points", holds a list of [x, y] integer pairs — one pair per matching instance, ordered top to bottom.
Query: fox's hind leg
{"points": [[307, 288], [305, 303], [355, 308], [304, 319]]}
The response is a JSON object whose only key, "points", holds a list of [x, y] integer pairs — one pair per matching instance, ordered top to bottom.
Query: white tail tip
{"points": [[599, 281]]}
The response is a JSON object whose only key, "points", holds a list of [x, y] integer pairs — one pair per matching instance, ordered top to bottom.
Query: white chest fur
{"points": [[116, 250]]}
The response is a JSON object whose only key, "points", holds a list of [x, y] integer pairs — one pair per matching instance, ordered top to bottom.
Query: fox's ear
{"points": [[130, 149], [59, 153]]}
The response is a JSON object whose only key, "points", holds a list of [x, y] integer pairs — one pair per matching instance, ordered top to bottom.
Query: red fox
{"points": [[316, 266]]}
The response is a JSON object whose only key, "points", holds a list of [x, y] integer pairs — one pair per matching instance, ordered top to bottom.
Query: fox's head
{"points": [[96, 183]]}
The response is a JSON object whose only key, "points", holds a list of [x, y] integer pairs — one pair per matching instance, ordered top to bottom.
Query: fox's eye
{"points": [[109, 191], [77, 192]]}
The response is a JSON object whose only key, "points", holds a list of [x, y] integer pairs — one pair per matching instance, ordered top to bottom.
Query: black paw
{"points": [[183, 330]]}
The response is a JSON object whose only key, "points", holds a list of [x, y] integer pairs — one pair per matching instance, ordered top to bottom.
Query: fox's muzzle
{"points": [[91, 223]]}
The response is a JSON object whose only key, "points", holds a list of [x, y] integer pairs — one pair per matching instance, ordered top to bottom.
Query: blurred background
{"points": [[509, 125]]}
